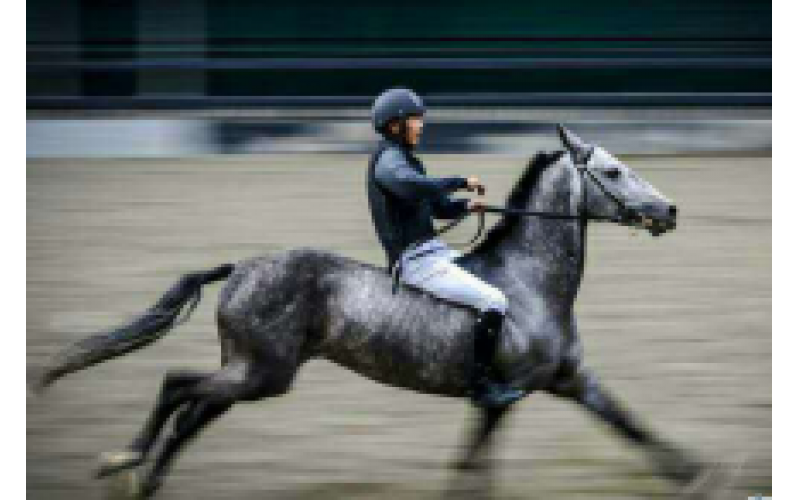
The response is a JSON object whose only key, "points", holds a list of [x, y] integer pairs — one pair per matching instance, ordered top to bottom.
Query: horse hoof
{"points": [[40, 383], [116, 461], [470, 464], [713, 481], [132, 485], [123, 486], [147, 487]]}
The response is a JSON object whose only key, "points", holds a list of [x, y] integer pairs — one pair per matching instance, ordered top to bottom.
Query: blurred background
{"points": [[250, 76], [168, 136]]}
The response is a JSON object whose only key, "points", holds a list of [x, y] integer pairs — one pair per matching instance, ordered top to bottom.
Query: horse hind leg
{"points": [[175, 392], [208, 400], [189, 422]]}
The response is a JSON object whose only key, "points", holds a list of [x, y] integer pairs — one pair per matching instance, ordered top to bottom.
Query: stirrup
{"points": [[490, 394]]}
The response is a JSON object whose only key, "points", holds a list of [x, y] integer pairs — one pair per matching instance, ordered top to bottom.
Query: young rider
{"points": [[403, 201]]}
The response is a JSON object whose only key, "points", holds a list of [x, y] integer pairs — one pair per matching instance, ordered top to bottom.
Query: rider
{"points": [[403, 200]]}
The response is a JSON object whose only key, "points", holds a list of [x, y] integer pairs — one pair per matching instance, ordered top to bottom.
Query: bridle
{"points": [[628, 214]]}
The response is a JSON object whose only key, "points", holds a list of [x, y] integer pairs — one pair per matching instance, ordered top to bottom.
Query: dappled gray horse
{"points": [[277, 312]]}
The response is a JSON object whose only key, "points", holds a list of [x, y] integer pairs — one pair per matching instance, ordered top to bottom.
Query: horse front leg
{"points": [[584, 388], [479, 439], [475, 479]]}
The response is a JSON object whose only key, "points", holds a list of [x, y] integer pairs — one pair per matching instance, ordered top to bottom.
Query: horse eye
{"points": [[612, 173]]}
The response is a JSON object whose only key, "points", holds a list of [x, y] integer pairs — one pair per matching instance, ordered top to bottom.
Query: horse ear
{"points": [[578, 149]]}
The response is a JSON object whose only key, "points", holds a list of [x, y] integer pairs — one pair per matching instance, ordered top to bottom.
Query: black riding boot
{"points": [[488, 390]]}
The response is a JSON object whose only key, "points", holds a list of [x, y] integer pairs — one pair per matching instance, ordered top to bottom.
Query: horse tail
{"points": [[153, 324]]}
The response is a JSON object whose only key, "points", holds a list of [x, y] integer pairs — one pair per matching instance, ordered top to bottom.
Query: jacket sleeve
{"points": [[394, 173], [445, 207]]}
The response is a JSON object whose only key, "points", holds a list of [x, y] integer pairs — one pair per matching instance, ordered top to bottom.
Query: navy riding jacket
{"points": [[403, 200]]}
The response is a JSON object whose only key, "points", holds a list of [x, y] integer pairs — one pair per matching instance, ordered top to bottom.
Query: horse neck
{"points": [[546, 254]]}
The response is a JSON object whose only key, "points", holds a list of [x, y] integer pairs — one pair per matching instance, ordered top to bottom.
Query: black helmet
{"points": [[395, 104]]}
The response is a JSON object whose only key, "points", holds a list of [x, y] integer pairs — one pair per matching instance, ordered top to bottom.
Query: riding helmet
{"points": [[395, 104]]}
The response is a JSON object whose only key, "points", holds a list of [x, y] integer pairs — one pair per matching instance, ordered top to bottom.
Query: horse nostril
{"points": [[673, 211]]}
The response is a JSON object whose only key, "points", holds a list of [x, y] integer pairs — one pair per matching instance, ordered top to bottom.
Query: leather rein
{"points": [[629, 214]]}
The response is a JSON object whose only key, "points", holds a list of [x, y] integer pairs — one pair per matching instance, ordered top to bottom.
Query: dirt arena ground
{"points": [[679, 327]]}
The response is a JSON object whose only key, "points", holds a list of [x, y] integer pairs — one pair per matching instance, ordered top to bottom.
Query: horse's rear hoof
{"points": [[116, 461], [133, 485], [124, 486]]}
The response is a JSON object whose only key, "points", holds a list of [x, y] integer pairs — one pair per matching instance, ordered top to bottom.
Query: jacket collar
{"points": [[388, 141]]}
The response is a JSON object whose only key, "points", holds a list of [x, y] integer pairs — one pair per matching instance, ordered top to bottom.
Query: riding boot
{"points": [[488, 388]]}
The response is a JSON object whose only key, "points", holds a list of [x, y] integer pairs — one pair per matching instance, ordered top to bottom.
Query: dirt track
{"points": [[679, 327]]}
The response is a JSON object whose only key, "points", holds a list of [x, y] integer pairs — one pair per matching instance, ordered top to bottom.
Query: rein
{"points": [[582, 216]]}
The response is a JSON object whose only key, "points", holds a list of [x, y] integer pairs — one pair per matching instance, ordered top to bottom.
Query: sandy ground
{"points": [[679, 327]]}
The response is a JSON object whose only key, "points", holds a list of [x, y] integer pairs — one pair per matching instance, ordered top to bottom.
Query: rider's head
{"points": [[397, 115]]}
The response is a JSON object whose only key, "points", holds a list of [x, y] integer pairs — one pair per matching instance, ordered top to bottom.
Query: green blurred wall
{"points": [[187, 36]]}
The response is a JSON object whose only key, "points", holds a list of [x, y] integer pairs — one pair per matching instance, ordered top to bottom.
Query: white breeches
{"points": [[437, 274]]}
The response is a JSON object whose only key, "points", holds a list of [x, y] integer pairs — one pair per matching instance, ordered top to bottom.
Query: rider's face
{"points": [[413, 130]]}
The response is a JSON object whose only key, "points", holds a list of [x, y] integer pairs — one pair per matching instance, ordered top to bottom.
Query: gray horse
{"points": [[277, 312]]}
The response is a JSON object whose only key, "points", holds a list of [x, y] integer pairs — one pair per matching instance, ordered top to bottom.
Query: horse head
{"points": [[612, 190]]}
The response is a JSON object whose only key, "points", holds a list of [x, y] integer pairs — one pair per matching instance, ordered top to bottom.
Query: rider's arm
{"points": [[394, 173], [445, 207]]}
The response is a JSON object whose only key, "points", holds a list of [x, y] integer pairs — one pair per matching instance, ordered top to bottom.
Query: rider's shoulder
{"points": [[391, 154]]}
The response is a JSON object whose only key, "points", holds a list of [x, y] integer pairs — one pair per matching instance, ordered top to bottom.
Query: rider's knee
{"points": [[496, 300]]}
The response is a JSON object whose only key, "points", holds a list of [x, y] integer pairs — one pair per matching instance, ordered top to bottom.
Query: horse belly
{"points": [[400, 350], [394, 360]]}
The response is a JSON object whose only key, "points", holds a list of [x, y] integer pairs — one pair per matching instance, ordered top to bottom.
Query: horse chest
{"points": [[532, 351]]}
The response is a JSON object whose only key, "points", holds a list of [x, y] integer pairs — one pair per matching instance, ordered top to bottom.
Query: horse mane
{"points": [[518, 198]]}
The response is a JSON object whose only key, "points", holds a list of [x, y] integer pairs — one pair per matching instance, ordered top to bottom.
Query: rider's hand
{"points": [[473, 184], [476, 205]]}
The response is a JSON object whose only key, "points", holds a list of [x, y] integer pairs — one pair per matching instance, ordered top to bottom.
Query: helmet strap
{"points": [[403, 131], [401, 136]]}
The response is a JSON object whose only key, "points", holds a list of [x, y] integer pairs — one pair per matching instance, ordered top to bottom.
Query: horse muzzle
{"points": [[657, 219]]}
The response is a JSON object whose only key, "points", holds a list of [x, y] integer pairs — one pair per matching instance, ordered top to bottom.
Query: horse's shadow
{"points": [[478, 482], [123, 487]]}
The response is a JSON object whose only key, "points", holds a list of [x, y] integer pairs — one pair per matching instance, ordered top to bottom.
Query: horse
{"points": [[277, 312]]}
